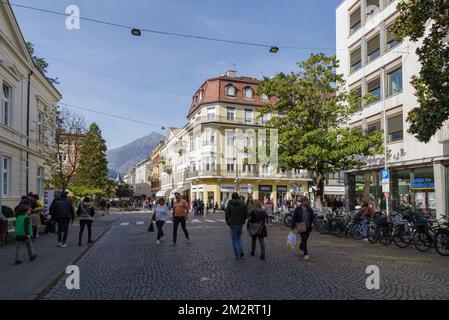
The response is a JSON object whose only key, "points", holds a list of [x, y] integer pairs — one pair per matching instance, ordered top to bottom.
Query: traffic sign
{"points": [[385, 175]]}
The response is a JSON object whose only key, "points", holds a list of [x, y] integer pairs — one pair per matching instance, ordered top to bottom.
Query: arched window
{"points": [[230, 90], [249, 93]]}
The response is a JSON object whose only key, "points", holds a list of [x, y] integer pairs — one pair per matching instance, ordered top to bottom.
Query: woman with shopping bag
{"points": [[161, 215], [303, 218], [258, 228]]}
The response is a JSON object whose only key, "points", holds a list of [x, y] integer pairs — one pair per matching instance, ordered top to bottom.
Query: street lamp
{"points": [[136, 32], [274, 50]]}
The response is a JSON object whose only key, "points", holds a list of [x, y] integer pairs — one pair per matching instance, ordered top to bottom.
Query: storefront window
{"points": [[423, 190]]}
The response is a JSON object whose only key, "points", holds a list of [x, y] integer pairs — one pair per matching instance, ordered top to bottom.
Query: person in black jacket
{"points": [[63, 212], [304, 213], [236, 214], [258, 228]]}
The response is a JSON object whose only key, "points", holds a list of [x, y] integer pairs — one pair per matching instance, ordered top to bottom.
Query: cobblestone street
{"points": [[127, 264]]}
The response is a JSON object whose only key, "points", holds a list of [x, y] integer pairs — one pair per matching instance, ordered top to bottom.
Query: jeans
{"points": [[176, 222], [83, 224], [365, 224], [63, 230], [160, 233], [236, 236], [304, 239], [27, 244], [262, 245]]}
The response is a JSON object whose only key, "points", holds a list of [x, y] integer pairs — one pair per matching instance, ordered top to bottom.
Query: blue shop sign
{"points": [[423, 183]]}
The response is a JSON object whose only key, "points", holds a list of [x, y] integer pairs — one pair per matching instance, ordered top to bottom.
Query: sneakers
{"points": [[366, 240], [90, 241], [188, 241], [158, 242], [60, 244], [63, 245], [242, 254], [33, 258], [306, 258]]}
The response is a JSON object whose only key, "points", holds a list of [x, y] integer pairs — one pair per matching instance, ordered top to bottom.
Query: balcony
{"points": [[225, 120], [244, 174]]}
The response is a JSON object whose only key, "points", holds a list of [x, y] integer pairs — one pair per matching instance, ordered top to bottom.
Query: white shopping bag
{"points": [[291, 241]]}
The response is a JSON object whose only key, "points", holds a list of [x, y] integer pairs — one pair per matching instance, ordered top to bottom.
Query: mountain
{"points": [[124, 158]]}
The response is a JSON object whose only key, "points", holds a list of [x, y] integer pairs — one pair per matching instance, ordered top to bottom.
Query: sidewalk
{"points": [[28, 280]]}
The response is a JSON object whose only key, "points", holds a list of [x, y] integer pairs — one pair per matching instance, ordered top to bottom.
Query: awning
{"points": [[181, 189], [163, 193]]}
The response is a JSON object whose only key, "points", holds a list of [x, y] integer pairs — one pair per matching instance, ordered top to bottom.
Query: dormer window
{"points": [[230, 90], [249, 93], [201, 96]]}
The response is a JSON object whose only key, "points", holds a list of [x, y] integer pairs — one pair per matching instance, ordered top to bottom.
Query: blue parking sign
{"points": [[385, 175]]}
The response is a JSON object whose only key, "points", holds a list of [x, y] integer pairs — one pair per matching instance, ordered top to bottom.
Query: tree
{"points": [[428, 20], [40, 63], [313, 110], [63, 133], [93, 168], [124, 191]]}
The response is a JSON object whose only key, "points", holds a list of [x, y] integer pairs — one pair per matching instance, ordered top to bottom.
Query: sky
{"points": [[152, 78]]}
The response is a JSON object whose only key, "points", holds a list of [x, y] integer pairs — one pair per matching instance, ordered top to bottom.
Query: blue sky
{"points": [[169, 69]]}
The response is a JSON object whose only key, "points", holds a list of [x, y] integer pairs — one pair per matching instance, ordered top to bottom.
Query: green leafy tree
{"points": [[40, 63], [432, 83], [313, 109], [93, 168], [124, 191]]}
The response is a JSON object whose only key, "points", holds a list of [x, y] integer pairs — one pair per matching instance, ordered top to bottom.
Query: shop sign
{"points": [[423, 183], [228, 188], [266, 188], [282, 189]]}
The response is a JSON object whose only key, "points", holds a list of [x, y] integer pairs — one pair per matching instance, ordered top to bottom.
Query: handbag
{"points": [[151, 227], [255, 229]]}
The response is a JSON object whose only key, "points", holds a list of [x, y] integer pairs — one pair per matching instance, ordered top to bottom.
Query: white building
{"points": [[372, 61], [24, 96], [142, 183]]}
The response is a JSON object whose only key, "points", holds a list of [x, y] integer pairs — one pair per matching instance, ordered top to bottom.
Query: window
{"points": [[372, 8], [355, 21], [391, 39], [373, 48], [356, 60], [394, 82], [374, 89], [230, 90], [249, 93], [264, 97], [211, 114], [231, 114], [6, 116], [249, 116], [265, 118], [40, 127], [374, 127], [395, 129], [208, 137], [230, 140], [230, 165], [6, 166], [40, 181]]}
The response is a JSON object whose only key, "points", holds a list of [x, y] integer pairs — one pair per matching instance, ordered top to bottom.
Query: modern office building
{"points": [[373, 61]]}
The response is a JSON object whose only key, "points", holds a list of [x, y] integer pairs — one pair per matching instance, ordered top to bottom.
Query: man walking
{"points": [[63, 212], [180, 213], [236, 214], [24, 233]]}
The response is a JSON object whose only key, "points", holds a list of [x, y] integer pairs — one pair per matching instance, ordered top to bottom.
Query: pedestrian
{"points": [[250, 204], [103, 205], [108, 207], [195, 207], [201, 208], [63, 212], [86, 212], [269, 212], [367, 212], [180, 214], [236, 214], [35, 215], [161, 215], [303, 218], [258, 228], [24, 232]]}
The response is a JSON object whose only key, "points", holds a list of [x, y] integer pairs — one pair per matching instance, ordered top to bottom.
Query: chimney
{"points": [[231, 73]]}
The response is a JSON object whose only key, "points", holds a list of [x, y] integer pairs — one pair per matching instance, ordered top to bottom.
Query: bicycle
{"points": [[441, 241]]}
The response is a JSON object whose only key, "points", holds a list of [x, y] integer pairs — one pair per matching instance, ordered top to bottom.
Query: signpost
{"points": [[386, 186]]}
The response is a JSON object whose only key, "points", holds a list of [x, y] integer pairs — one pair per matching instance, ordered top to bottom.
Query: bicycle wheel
{"points": [[322, 227], [339, 230], [356, 230], [373, 234], [385, 235], [402, 238], [422, 241], [442, 243]]}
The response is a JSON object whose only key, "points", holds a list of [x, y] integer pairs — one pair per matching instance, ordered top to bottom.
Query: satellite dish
{"points": [[372, 9]]}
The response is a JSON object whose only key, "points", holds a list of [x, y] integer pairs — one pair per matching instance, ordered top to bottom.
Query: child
{"points": [[24, 233]]}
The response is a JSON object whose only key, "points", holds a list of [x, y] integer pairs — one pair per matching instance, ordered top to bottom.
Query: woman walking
{"points": [[86, 213], [161, 215], [303, 217], [258, 228]]}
